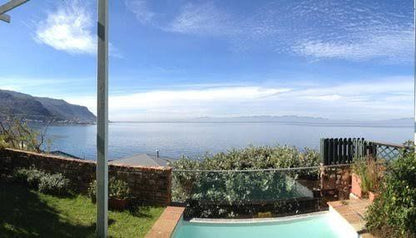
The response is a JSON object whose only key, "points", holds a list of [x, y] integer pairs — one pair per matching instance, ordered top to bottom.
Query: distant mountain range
{"points": [[30, 108], [40, 109], [298, 120], [313, 121]]}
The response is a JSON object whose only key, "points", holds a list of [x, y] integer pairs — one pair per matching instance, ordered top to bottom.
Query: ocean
{"points": [[195, 139]]}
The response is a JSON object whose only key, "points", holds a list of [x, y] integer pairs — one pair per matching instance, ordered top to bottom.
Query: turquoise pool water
{"points": [[319, 226]]}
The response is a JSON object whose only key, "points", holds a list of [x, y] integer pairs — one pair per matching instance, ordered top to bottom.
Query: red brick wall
{"points": [[336, 179], [150, 185]]}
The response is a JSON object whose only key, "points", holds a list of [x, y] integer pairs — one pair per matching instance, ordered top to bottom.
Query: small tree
{"points": [[15, 133]]}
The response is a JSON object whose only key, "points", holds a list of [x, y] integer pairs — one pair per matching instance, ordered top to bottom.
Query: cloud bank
{"points": [[389, 98]]}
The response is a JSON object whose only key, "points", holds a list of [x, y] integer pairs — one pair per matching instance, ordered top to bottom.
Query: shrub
{"points": [[253, 157], [370, 172], [30, 177], [44, 182], [54, 184], [235, 188], [116, 189], [393, 214]]}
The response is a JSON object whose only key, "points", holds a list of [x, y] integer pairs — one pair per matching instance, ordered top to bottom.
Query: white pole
{"points": [[414, 74], [102, 120]]}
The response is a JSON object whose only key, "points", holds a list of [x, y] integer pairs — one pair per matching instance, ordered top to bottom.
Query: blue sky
{"points": [[172, 59]]}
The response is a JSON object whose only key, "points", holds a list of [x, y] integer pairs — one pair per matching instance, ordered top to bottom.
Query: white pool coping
{"points": [[258, 220], [346, 225]]}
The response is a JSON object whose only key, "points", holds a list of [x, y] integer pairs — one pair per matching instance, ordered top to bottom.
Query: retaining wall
{"points": [[150, 185]]}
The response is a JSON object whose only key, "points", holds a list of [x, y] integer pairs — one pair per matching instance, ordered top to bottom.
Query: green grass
{"points": [[27, 213]]}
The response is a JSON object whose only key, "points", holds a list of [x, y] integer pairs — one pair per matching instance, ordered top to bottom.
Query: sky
{"points": [[179, 59]]}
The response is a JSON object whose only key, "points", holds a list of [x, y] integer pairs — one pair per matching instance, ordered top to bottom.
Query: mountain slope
{"points": [[27, 107]]}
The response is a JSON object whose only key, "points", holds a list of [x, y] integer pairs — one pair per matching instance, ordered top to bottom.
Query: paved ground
{"points": [[353, 211], [165, 225]]}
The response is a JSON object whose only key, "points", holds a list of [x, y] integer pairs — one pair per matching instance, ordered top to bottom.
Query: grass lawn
{"points": [[27, 213]]}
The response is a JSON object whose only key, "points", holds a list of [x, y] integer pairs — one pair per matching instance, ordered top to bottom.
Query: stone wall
{"points": [[336, 181], [150, 185]]}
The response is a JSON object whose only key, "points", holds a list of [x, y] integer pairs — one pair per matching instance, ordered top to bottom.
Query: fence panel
{"points": [[344, 150]]}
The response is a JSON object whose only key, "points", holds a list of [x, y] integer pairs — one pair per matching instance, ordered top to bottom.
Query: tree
{"points": [[17, 134]]}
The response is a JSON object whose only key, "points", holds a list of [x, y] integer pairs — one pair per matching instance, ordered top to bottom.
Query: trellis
{"points": [[345, 150]]}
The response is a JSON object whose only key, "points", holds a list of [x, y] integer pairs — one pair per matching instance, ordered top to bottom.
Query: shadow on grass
{"points": [[140, 211], [23, 214]]}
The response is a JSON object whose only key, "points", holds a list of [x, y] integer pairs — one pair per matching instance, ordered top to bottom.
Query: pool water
{"points": [[323, 226]]}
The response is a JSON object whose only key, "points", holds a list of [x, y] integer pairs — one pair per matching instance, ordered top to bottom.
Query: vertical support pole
{"points": [[414, 74], [102, 120]]}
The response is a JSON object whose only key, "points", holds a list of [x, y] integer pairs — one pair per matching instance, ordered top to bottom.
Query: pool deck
{"points": [[353, 211], [165, 225]]}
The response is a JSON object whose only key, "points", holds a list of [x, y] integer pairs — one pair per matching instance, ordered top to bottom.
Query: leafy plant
{"points": [[370, 173], [30, 177], [44, 182], [54, 184], [239, 187], [116, 189], [393, 214]]}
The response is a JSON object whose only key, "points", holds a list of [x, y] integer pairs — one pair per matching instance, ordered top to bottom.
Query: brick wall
{"points": [[336, 181], [150, 185]]}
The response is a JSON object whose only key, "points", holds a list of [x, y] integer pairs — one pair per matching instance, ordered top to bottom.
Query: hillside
{"points": [[24, 106]]}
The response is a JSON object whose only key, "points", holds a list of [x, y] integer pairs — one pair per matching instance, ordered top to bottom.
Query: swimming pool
{"points": [[322, 225]]}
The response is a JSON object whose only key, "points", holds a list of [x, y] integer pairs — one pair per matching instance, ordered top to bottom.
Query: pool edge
{"points": [[256, 220]]}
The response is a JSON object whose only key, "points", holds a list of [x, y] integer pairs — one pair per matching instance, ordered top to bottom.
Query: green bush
{"points": [[253, 157], [370, 172], [31, 177], [44, 182], [54, 184], [239, 187], [116, 189], [393, 214]]}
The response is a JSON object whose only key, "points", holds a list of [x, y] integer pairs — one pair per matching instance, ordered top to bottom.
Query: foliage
{"points": [[17, 134], [3, 143], [252, 157], [370, 172], [30, 177], [44, 182], [54, 184], [239, 187], [116, 189], [30, 213], [393, 214]]}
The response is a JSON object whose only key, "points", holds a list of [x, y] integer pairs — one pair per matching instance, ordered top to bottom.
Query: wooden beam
{"points": [[11, 5], [5, 18], [102, 120]]}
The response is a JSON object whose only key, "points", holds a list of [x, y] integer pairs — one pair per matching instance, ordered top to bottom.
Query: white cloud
{"points": [[141, 10], [202, 19], [69, 29], [354, 31], [396, 46], [382, 99], [180, 103]]}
